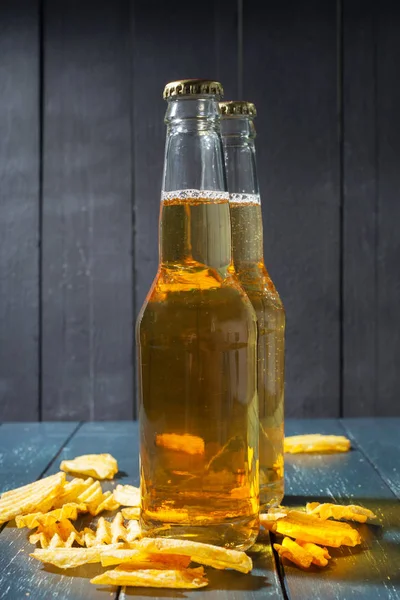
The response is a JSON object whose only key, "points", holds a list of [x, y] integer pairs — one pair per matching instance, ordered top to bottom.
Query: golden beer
{"points": [[196, 339]]}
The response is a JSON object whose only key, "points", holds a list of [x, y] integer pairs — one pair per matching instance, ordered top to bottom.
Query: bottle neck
{"points": [[238, 135], [193, 149], [195, 228]]}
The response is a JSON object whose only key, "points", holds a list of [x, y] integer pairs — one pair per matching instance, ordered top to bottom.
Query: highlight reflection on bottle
{"points": [[196, 338]]}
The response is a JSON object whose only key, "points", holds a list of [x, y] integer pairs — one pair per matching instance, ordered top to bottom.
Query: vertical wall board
{"points": [[290, 72], [19, 204], [359, 209], [87, 233], [388, 242]]}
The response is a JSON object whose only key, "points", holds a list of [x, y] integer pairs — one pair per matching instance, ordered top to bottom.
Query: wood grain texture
{"points": [[202, 43], [290, 72], [19, 202], [360, 210], [388, 242], [87, 264], [378, 439], [26, 450], [367, 573], [28, 577]]}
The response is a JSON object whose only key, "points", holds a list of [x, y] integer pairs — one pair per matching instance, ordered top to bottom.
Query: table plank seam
{"points": [[69, 438], [360, 448], [279, 568]]}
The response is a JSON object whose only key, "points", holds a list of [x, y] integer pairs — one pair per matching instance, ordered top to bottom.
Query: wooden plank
{"points": [[387, 16], [200, 44], [292, 81], [19, 199], [360, 210], [87, 230], [378, 439], [26, 450], [366, 573], [24, 576]]}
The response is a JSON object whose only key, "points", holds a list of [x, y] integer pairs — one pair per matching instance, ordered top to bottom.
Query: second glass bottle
{"points": [[238, 134]]}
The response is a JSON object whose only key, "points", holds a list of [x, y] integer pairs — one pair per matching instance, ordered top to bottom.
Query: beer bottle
{"points": [[238, 134], [196, 345]]}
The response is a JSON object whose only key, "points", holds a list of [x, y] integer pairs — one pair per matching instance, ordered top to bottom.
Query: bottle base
{"points": [[271, 495], [236, 534]]}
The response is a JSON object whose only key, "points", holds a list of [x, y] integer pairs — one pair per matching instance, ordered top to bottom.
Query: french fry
{"points": [[316, 442], [190, 444], [101, 466], [71, 491], [127, 495], [34, 497], [95, 500], [67, 511], [352, 512], [131, 513], [268, 520], [309, 528], [110, 532], [56, 535], [295, 553], [205, 554], [320, 555], [68, 558], [140, 560], [155, 578]]}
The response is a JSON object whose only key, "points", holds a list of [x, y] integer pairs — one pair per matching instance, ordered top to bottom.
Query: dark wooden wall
{"points": [[81, 154]]}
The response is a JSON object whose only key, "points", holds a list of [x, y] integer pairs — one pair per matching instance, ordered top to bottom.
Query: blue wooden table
{"points": [[368, 475]]}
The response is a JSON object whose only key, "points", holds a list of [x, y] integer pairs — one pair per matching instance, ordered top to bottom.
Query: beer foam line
{"points": [[186, 194], [245, 198]]}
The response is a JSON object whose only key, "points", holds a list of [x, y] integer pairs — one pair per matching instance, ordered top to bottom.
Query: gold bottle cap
{"points": [[192, 87], [237, 107]]}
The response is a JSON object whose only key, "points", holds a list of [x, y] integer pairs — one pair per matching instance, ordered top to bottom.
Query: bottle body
{"points": [[247, 249], [254, 278], [196, 345]]}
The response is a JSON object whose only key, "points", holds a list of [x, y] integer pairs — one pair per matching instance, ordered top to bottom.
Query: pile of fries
{"points": [[49, 506]]}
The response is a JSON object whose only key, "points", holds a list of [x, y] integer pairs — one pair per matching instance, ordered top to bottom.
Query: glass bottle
{"points": [[238, 134], [196, 345]]}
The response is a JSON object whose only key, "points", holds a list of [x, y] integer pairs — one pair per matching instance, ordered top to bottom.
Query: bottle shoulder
{"points": [[258, 284], [218, 294]]}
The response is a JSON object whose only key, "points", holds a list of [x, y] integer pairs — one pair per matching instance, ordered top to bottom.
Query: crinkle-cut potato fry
{"points": [[316, 442], [190, 444], [101, 466], [71, 491], [127, 495], [34, 497], [95, 500], [108, 503], [67, 511], [351, 512], [131, 513], [268, 520], [308, 528], [110, 532], [56, 535], [295, 553], [205, 554], [320, 555], [68, 558], [141, 560], [155, 578]]}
